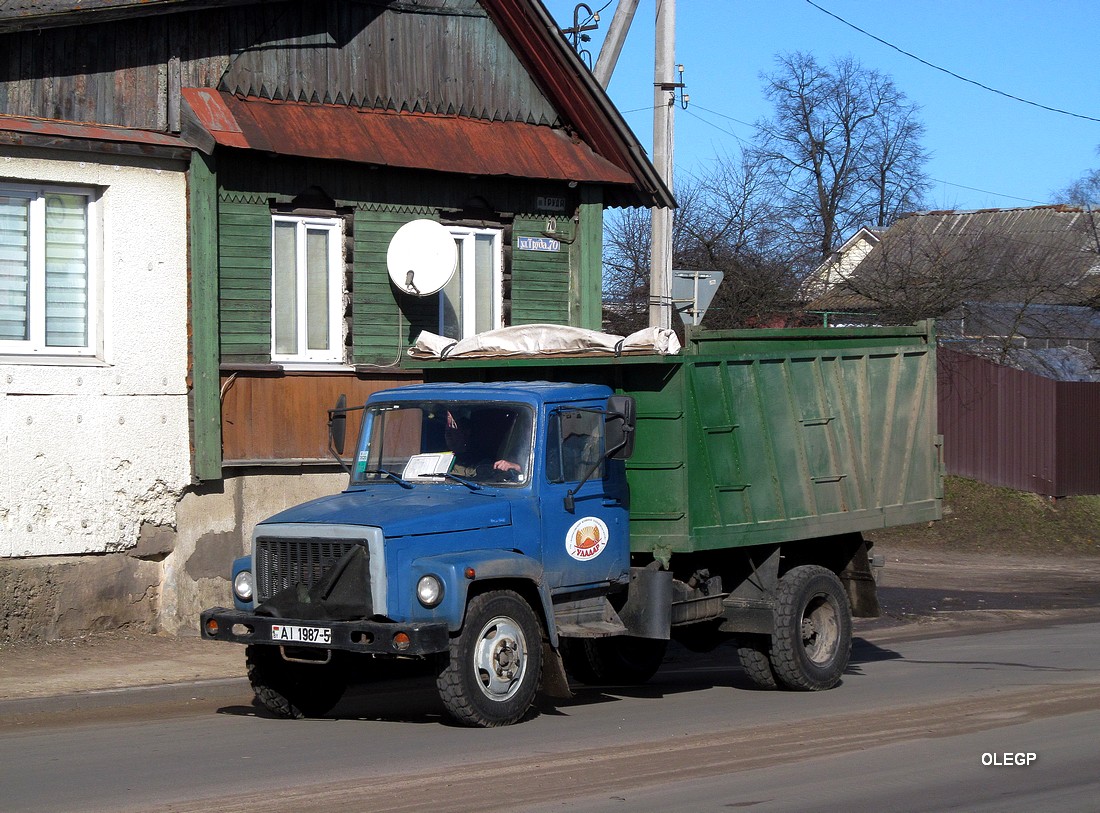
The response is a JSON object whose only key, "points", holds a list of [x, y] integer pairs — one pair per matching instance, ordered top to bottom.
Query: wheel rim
{"points": [[820, 630], [500, 658]]}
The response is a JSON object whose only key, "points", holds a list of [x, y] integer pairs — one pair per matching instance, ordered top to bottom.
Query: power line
{"points": [[950, 73], [724, 131], [988, 192]]}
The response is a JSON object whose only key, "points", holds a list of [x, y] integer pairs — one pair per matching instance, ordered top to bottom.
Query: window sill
{"points": [[48, 360], [284, 367]]}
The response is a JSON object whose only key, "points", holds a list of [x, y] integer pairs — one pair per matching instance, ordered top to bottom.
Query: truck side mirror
{"points": [[338, 425], [619, 427]]}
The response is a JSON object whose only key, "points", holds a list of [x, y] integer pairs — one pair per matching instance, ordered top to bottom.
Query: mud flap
{"points": [[554, 681]]}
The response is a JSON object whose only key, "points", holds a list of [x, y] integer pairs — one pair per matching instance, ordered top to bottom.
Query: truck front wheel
{"points": [[813, 629], [495, 663], [293, 690]]}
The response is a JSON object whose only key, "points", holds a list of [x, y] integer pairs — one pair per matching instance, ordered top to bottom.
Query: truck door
{"points": [[591, 543]]}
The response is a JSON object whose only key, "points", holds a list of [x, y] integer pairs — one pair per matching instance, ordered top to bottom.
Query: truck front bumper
{"points": [[372, 637]]}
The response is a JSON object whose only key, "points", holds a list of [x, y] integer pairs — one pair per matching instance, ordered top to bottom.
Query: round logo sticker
{"points": [[586, 539]]}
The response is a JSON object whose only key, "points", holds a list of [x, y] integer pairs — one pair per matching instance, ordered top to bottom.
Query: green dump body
{"points": [[754, 437]]}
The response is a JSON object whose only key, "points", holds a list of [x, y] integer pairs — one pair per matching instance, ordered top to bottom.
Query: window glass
{"points": [[14, 267], [46, 271], [66, 271], [317, 288], [307, 289], [285, 294], [472, 301], [435, 442], [574, 445]]}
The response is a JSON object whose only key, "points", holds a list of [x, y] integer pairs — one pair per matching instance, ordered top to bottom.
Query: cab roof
{"points": [[529, 392]]}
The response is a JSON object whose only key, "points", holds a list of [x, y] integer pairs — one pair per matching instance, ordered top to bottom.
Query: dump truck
{"points": [[514, 522]]}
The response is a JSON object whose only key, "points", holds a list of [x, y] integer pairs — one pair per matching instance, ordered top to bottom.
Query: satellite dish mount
{"points": [[421, 258]]}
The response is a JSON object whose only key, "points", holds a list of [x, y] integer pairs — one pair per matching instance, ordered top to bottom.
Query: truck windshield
{"points": [[445, 441]]}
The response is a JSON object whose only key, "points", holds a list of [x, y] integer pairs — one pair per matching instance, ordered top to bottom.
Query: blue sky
{"points": [[987, 150]]}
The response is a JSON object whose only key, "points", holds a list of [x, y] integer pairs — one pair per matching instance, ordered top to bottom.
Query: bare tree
{"points": [[842, 150], [1082, 192], [723, 223], [729, 225], [626, 271], [1003, 278]]}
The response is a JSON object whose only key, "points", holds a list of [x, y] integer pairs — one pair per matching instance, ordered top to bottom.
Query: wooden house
{"points": [[236, 172]]}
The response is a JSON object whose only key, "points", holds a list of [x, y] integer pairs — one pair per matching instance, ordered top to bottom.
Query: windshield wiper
{"points": [[399, 480], [469, 484]]}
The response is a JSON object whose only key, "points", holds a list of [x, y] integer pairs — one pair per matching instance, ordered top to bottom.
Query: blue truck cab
{"points": [[478, 521]]}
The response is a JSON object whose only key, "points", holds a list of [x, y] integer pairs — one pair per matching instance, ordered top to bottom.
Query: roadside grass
{"points": [[982, 518]]}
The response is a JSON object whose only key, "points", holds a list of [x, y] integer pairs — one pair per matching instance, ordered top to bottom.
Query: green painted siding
{"points": [[244, 278], [540, 280], [383, 322], [206, 383]]}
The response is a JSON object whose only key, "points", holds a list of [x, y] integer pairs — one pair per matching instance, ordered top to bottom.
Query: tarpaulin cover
{"points": [[545, 340]]}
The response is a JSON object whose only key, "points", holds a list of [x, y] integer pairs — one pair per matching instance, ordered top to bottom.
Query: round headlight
{"points": [[242, 585], [429, 591]]}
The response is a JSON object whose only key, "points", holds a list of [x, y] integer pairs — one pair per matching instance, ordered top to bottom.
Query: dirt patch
{"points": [[988, 519]]}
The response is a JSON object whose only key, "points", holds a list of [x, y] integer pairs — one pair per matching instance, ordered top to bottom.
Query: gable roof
{"points": [[587, 131], [1042, 254]]}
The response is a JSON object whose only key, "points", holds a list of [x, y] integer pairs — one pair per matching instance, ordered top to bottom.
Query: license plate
{"points": [[301, 635]]}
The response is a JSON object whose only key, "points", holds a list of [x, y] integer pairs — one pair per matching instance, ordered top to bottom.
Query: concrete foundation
{"points": [[162, 583]]}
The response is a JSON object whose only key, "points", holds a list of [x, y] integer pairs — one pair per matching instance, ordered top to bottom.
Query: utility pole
{"points": [[613, 42], [664, 103]]}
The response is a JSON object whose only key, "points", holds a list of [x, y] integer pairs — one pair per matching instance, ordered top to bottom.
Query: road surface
{"points": [[923, 723]]}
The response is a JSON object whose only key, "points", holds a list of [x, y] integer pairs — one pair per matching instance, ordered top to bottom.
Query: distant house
{"points": [[196, 202], [840, 264], [948, 264]]}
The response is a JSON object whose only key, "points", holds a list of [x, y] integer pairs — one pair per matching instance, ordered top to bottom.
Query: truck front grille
{"points": [[282, 562]]}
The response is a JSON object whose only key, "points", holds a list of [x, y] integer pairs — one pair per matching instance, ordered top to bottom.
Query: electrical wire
{"points": [[948, 72]]}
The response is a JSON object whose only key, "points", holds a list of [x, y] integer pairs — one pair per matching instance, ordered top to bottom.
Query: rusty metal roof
{"points": [[32, 132], [399, 139]]}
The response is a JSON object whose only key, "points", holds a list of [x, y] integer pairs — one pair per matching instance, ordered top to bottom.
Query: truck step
{"points": [[590, 617], [594, 629]]}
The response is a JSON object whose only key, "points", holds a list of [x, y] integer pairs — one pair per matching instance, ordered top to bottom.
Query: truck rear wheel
{"points": [[813, 629], [754, 652], [495, 663], [293, 690]]}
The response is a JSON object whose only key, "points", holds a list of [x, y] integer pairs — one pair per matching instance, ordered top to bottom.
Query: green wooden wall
{"points": [[560, 287]]}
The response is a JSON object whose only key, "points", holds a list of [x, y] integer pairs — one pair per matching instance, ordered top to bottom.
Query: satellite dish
{"points": [[422, 257]]}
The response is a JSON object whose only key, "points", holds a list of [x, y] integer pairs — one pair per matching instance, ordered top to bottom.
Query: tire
{"points": [[813, 630], [754, 652], [620, 660], [495, 663], [293, 690]]}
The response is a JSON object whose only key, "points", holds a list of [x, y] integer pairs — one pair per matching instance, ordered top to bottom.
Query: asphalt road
{"points": [[909, 729]]}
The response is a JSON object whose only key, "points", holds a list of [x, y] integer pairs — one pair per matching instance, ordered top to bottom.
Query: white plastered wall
{"points": [[90, 451]]}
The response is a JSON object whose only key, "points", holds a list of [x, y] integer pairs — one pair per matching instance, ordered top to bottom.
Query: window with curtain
{"points": [[46, 271], [307, 290], [472, 301]]}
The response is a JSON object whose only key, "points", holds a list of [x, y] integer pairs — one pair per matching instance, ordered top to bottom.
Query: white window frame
{"points": [[466, 240], [35, 345], [334, 354]]}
